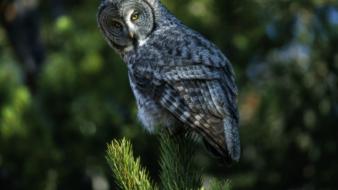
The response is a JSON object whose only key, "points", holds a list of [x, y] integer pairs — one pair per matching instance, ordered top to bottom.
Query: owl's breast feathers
{"points": [[194, 81]]}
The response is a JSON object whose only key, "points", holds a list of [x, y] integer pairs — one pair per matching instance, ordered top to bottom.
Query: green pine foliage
{"points": [[127, 170], [178, 171], [216, 184]]}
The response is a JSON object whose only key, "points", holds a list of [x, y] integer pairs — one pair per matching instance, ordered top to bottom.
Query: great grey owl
{"points": [[177, 76]]}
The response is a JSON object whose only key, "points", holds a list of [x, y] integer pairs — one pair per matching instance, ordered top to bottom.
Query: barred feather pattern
{"points": [[178, 76]]}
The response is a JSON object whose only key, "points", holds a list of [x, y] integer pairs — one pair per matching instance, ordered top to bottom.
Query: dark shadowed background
{"points": [[64, 94]]}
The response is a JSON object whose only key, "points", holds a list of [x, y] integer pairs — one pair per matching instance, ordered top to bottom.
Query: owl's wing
{"points": [[204, 88], [200, 96], [209, 127]]}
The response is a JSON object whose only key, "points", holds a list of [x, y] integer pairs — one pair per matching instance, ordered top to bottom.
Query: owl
{"points": [[178, 77]]}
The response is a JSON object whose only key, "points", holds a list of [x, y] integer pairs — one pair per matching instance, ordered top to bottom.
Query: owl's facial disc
{"points": [[139, 19], [126, 24], [113, 27]]}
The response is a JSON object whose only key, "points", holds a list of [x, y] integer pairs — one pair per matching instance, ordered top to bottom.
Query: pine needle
{"points": [[127, 170], [178, 171]]}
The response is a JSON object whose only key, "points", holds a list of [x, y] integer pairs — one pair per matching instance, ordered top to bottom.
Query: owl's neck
{"points": [[164, 18]]}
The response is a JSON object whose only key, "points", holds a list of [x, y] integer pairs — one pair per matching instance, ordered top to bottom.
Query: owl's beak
{"points": [[131, 35]]}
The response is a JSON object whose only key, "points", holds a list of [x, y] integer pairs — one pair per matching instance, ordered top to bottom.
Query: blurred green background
{"points": [[53, 133]]}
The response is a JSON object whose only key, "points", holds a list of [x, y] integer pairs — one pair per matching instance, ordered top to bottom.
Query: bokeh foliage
{"points": [[285, 55]]}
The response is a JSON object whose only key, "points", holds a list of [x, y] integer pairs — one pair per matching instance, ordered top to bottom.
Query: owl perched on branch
{"points": [[178, 77]]}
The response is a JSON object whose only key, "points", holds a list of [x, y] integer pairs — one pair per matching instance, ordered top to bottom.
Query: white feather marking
{"points": [[141, 42], [128, 48], [198, 117]]}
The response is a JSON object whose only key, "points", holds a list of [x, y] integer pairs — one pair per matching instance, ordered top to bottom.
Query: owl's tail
{"points": [[232, 139], [229, 150]]}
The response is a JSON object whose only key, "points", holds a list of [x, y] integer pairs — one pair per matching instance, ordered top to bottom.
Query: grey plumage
{"points": [[177, 76]]}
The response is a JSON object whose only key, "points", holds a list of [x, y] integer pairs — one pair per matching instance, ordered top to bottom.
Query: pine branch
{"points": [[176, 163], [177, 168], [126, 169], [219, 185]]}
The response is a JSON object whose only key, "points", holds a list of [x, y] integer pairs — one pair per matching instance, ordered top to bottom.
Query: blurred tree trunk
{"points": [[21, 21]]}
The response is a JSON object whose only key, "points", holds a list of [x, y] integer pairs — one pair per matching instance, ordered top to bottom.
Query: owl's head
{"points": [[126, 23]]}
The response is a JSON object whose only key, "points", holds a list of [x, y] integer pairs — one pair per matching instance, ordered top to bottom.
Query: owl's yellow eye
{"points": [[135, 16]]}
